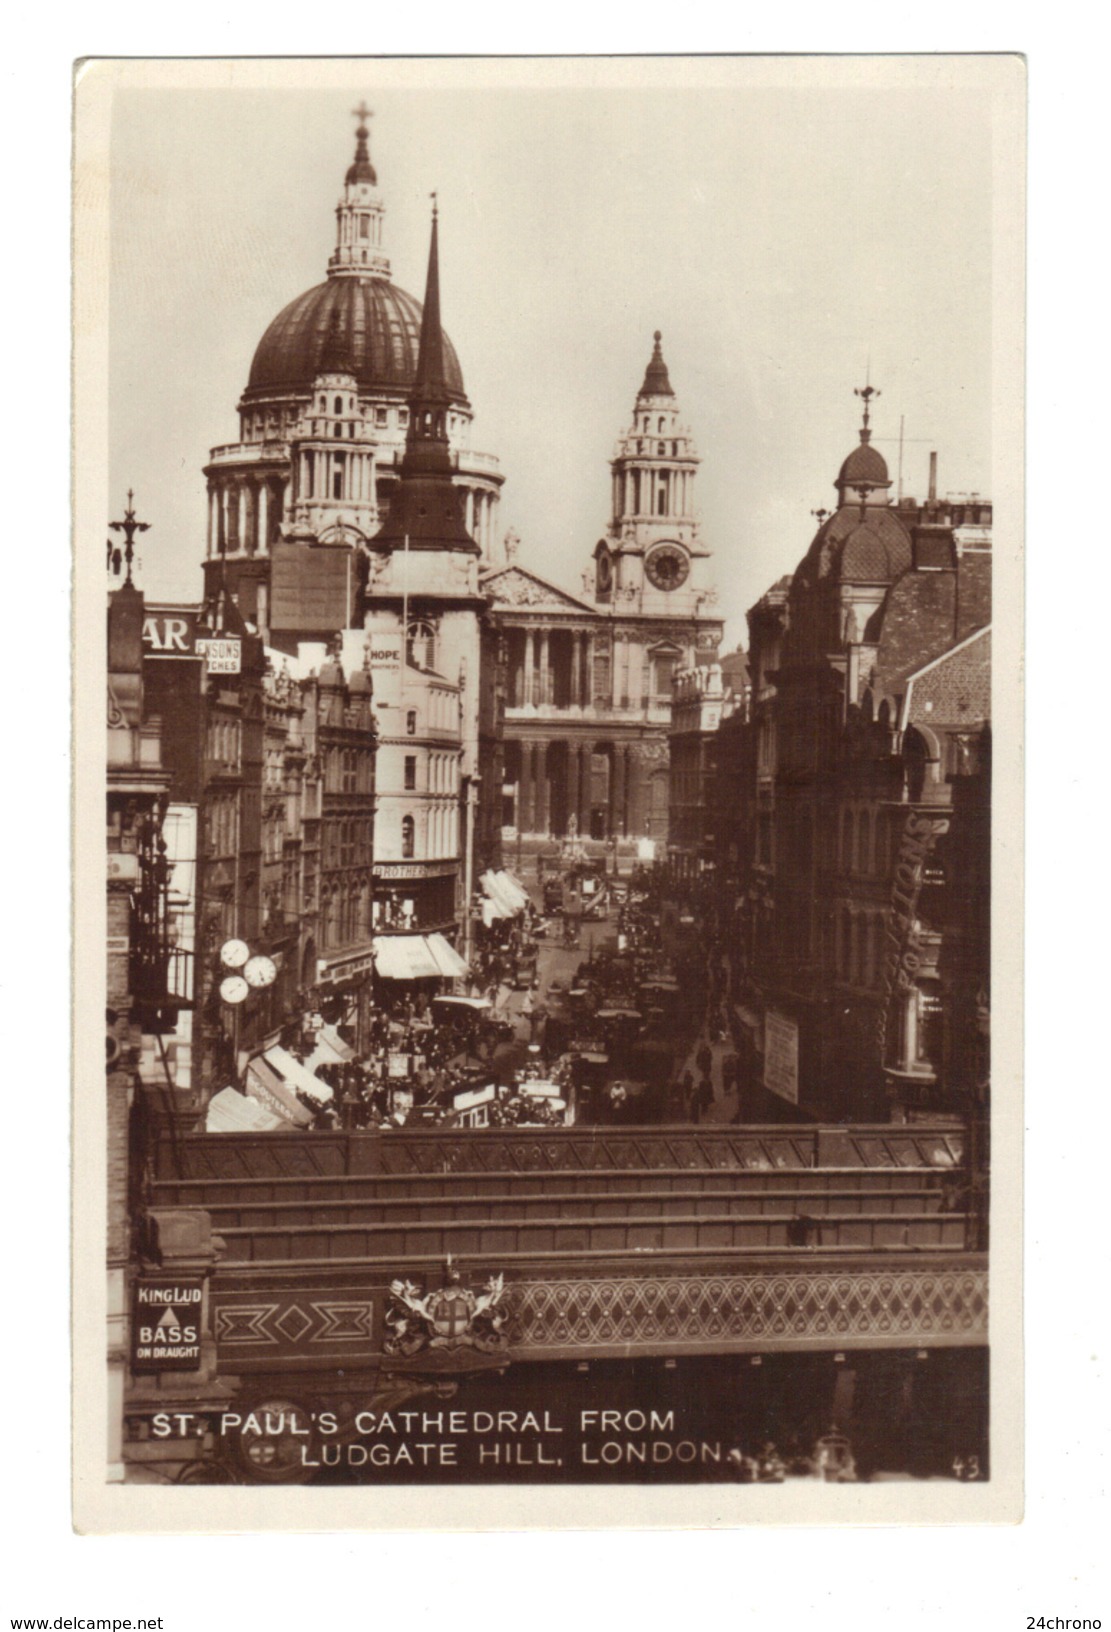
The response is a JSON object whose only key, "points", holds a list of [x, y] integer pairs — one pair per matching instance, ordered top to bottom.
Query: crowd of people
{"points": [[632, 1036]]}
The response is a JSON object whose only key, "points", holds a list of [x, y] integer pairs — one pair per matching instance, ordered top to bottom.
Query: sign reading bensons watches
{"points": [[166, 1324]]}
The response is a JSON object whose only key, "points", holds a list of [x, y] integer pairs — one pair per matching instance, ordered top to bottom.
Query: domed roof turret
{"points": [[865, 467], [864, 472]]}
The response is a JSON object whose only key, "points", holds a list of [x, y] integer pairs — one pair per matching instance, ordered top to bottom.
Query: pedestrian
{"points": [[704, 1059], [703, 1099]]}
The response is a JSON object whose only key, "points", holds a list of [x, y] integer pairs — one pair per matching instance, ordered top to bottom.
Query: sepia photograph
{"points": [[534, 531]]}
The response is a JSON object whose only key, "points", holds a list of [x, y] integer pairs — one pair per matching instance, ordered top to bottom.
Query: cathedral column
{"points": [[470, 512], [243, 516], [213, 520], [263, 537], [530, 660], [545, 667], [576, 668], [588, 677], [573, 784], [586, 785], [636, 785], [543, 789], [524, 790], [617, 791]]}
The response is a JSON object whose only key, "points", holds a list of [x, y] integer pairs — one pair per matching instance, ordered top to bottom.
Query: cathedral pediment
{"points": [[513, 586]]}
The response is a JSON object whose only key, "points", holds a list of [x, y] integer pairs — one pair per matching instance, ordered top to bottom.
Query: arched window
{"points": [[339, 405], [421, 645], [411, 723], [408, 838]]}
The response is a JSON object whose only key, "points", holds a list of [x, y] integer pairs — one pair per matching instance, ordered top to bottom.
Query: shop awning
{"points": [[516, 883], [513, 888], [501, 893], [493, 910], [404, 957], [451, 964], [329, 1049], [297, 1077], [266, 1085], [232, 1112]]}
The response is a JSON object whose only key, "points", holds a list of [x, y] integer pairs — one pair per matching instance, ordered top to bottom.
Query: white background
{"points": [[1053, 1564]]}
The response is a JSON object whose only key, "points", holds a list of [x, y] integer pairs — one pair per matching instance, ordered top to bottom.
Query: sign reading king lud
{"points": [[166, 1324]]}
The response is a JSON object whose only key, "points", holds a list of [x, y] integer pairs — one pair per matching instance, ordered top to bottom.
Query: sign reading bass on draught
{"points": [[166, 1324]]}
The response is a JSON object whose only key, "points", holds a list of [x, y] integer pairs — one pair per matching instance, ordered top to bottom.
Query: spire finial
{"points": [[362, 170], [435, 206], [866, 392], [128, 527]]}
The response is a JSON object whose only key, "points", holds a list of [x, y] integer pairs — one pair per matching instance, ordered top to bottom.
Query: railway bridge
{"points": [[514, 1265]]}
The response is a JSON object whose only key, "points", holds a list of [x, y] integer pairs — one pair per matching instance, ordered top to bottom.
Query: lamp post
{"points": [[244, 972]]}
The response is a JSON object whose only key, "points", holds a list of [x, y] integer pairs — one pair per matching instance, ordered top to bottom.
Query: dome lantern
{"points": [[359, 213]]}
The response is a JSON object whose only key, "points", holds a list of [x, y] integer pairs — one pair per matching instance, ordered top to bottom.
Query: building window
{"points": [[339, 405], [380, 416], [337, 478], [422, 645], [663, 673], [411, 723], [410, 773], [408, 838]]}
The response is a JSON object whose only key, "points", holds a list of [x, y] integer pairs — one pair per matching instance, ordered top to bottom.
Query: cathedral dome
{"points": [[380, 328]]}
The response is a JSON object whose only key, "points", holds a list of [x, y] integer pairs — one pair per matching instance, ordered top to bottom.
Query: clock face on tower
{"points": [[667, 567]]}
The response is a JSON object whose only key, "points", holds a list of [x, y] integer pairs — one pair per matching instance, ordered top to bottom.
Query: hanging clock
{"points": [[667, 567], [604, 572], [234, 954], [260, 971], [233, 989]]}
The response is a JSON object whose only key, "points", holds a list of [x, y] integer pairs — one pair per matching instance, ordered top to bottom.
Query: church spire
{"points": [[430, 384], [426, 507]]}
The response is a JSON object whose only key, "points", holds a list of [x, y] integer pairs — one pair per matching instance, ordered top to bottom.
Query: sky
{"points": [[791, 233]]}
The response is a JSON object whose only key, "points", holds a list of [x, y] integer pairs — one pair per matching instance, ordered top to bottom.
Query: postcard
{"points": [[535, 543]]}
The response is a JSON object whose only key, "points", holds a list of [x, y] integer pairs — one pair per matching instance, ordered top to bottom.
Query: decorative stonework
{"points": [[515, 587], [809, 1308]]}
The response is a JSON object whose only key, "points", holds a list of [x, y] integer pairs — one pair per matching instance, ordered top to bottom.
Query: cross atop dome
{"points": [[362, 170]]}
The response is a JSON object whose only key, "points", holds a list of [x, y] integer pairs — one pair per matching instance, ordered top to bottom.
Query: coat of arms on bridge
{"points": [[451, 1328]]}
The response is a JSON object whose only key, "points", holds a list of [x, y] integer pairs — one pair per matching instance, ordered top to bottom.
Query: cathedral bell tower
{"points": [[651, 558]]}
